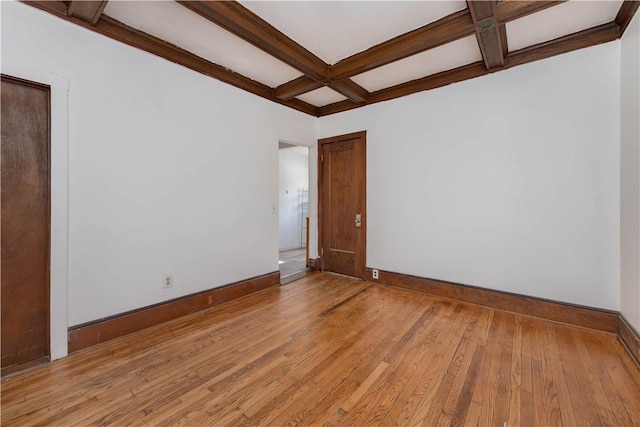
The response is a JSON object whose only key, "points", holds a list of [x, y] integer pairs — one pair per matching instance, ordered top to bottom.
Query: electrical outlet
{"points": [[375, 274], [168, 281]]}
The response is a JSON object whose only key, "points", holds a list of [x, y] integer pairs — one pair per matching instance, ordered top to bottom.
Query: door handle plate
{"points": [[358, 220]]}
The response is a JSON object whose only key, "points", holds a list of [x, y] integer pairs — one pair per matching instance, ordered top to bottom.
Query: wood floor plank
{"points": [[358, 347], [329, 350], [404, 358], [352, 363], [615, 365], [459, 370], [545, 371], [563, 374], [526, 380], [436, 382], [488, 386], [364, 387], [464, 402], [501, 405], [514, 406], [404, 407], [585, 408], [605, 408]]}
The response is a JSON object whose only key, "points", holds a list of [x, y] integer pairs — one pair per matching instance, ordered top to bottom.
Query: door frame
{"points": [[47, 146], [59, 201], [307, 269], [361, 271]]}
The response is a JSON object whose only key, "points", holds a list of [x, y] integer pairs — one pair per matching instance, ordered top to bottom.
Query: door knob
{"points": [[358, 220]]}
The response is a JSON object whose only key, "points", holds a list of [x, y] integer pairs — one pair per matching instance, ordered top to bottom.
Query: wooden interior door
{"points": [[342, 196], [25, 222]]}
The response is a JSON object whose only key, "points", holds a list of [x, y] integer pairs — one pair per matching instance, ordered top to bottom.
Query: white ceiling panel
{"points": [[558, 21], [176, 24], [334, 30], [455, 54], [322, 96]]}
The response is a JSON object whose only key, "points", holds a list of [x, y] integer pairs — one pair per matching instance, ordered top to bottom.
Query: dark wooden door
{"points": [[343, 216], [25, 221]]}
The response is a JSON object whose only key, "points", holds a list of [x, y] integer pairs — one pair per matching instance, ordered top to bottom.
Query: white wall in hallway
{"points": [[294, 177]]}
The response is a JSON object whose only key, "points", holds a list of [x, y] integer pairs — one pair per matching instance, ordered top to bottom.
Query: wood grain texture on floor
{"points": [[328, 350]]}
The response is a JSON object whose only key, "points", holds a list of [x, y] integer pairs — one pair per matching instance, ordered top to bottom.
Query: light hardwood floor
{"points": [[335, 351]]}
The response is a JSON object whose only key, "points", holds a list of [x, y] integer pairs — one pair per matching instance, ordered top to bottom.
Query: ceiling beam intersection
{"points": [[88, 11], [240, 21], [452, 27], [490, 34], [579, 40], [338, 80]]}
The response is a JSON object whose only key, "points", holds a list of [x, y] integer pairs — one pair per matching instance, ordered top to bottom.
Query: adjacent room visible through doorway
{"points": [[294, 208]]}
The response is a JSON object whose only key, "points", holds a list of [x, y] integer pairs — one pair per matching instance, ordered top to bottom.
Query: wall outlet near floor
{"points": [[375, 274], [168, 281]]}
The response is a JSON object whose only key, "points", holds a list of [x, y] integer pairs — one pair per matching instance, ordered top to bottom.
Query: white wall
{"points": [[170, 172], [630, 175], [294, 176], [509, 181]]}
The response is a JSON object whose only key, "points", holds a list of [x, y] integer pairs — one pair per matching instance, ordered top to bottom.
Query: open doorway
{"points": [[293, 192]]}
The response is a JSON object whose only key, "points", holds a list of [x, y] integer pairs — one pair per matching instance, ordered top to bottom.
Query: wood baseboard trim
{"points": [[314, 264], [588, 317], [99, 331], [630, 338], [12, 371]]}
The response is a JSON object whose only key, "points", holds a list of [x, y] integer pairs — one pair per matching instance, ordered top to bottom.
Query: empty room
{"points": [[456, 240]]}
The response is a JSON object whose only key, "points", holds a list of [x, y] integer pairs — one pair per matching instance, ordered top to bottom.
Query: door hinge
{"points": [[322, 158], [321, 252]]}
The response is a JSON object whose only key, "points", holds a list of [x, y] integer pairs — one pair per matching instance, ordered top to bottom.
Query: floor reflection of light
{"points": [[280, 262]]}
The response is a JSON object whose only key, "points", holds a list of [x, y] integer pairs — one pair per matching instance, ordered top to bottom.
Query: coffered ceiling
{"points": [[323, 57]]}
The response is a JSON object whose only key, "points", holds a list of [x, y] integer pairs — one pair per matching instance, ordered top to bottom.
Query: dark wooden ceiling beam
{"points": [[58, 8], [481, 9], [509, 10], [88, 11], [503, 11], [625, 14], [245, 24], [445, 30], [118, 31], [490, 34], [593, 36], [503, 37], [582, 39], [434, 81], [426, 83], [295, 87], [350, 89], [298, 104]]}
